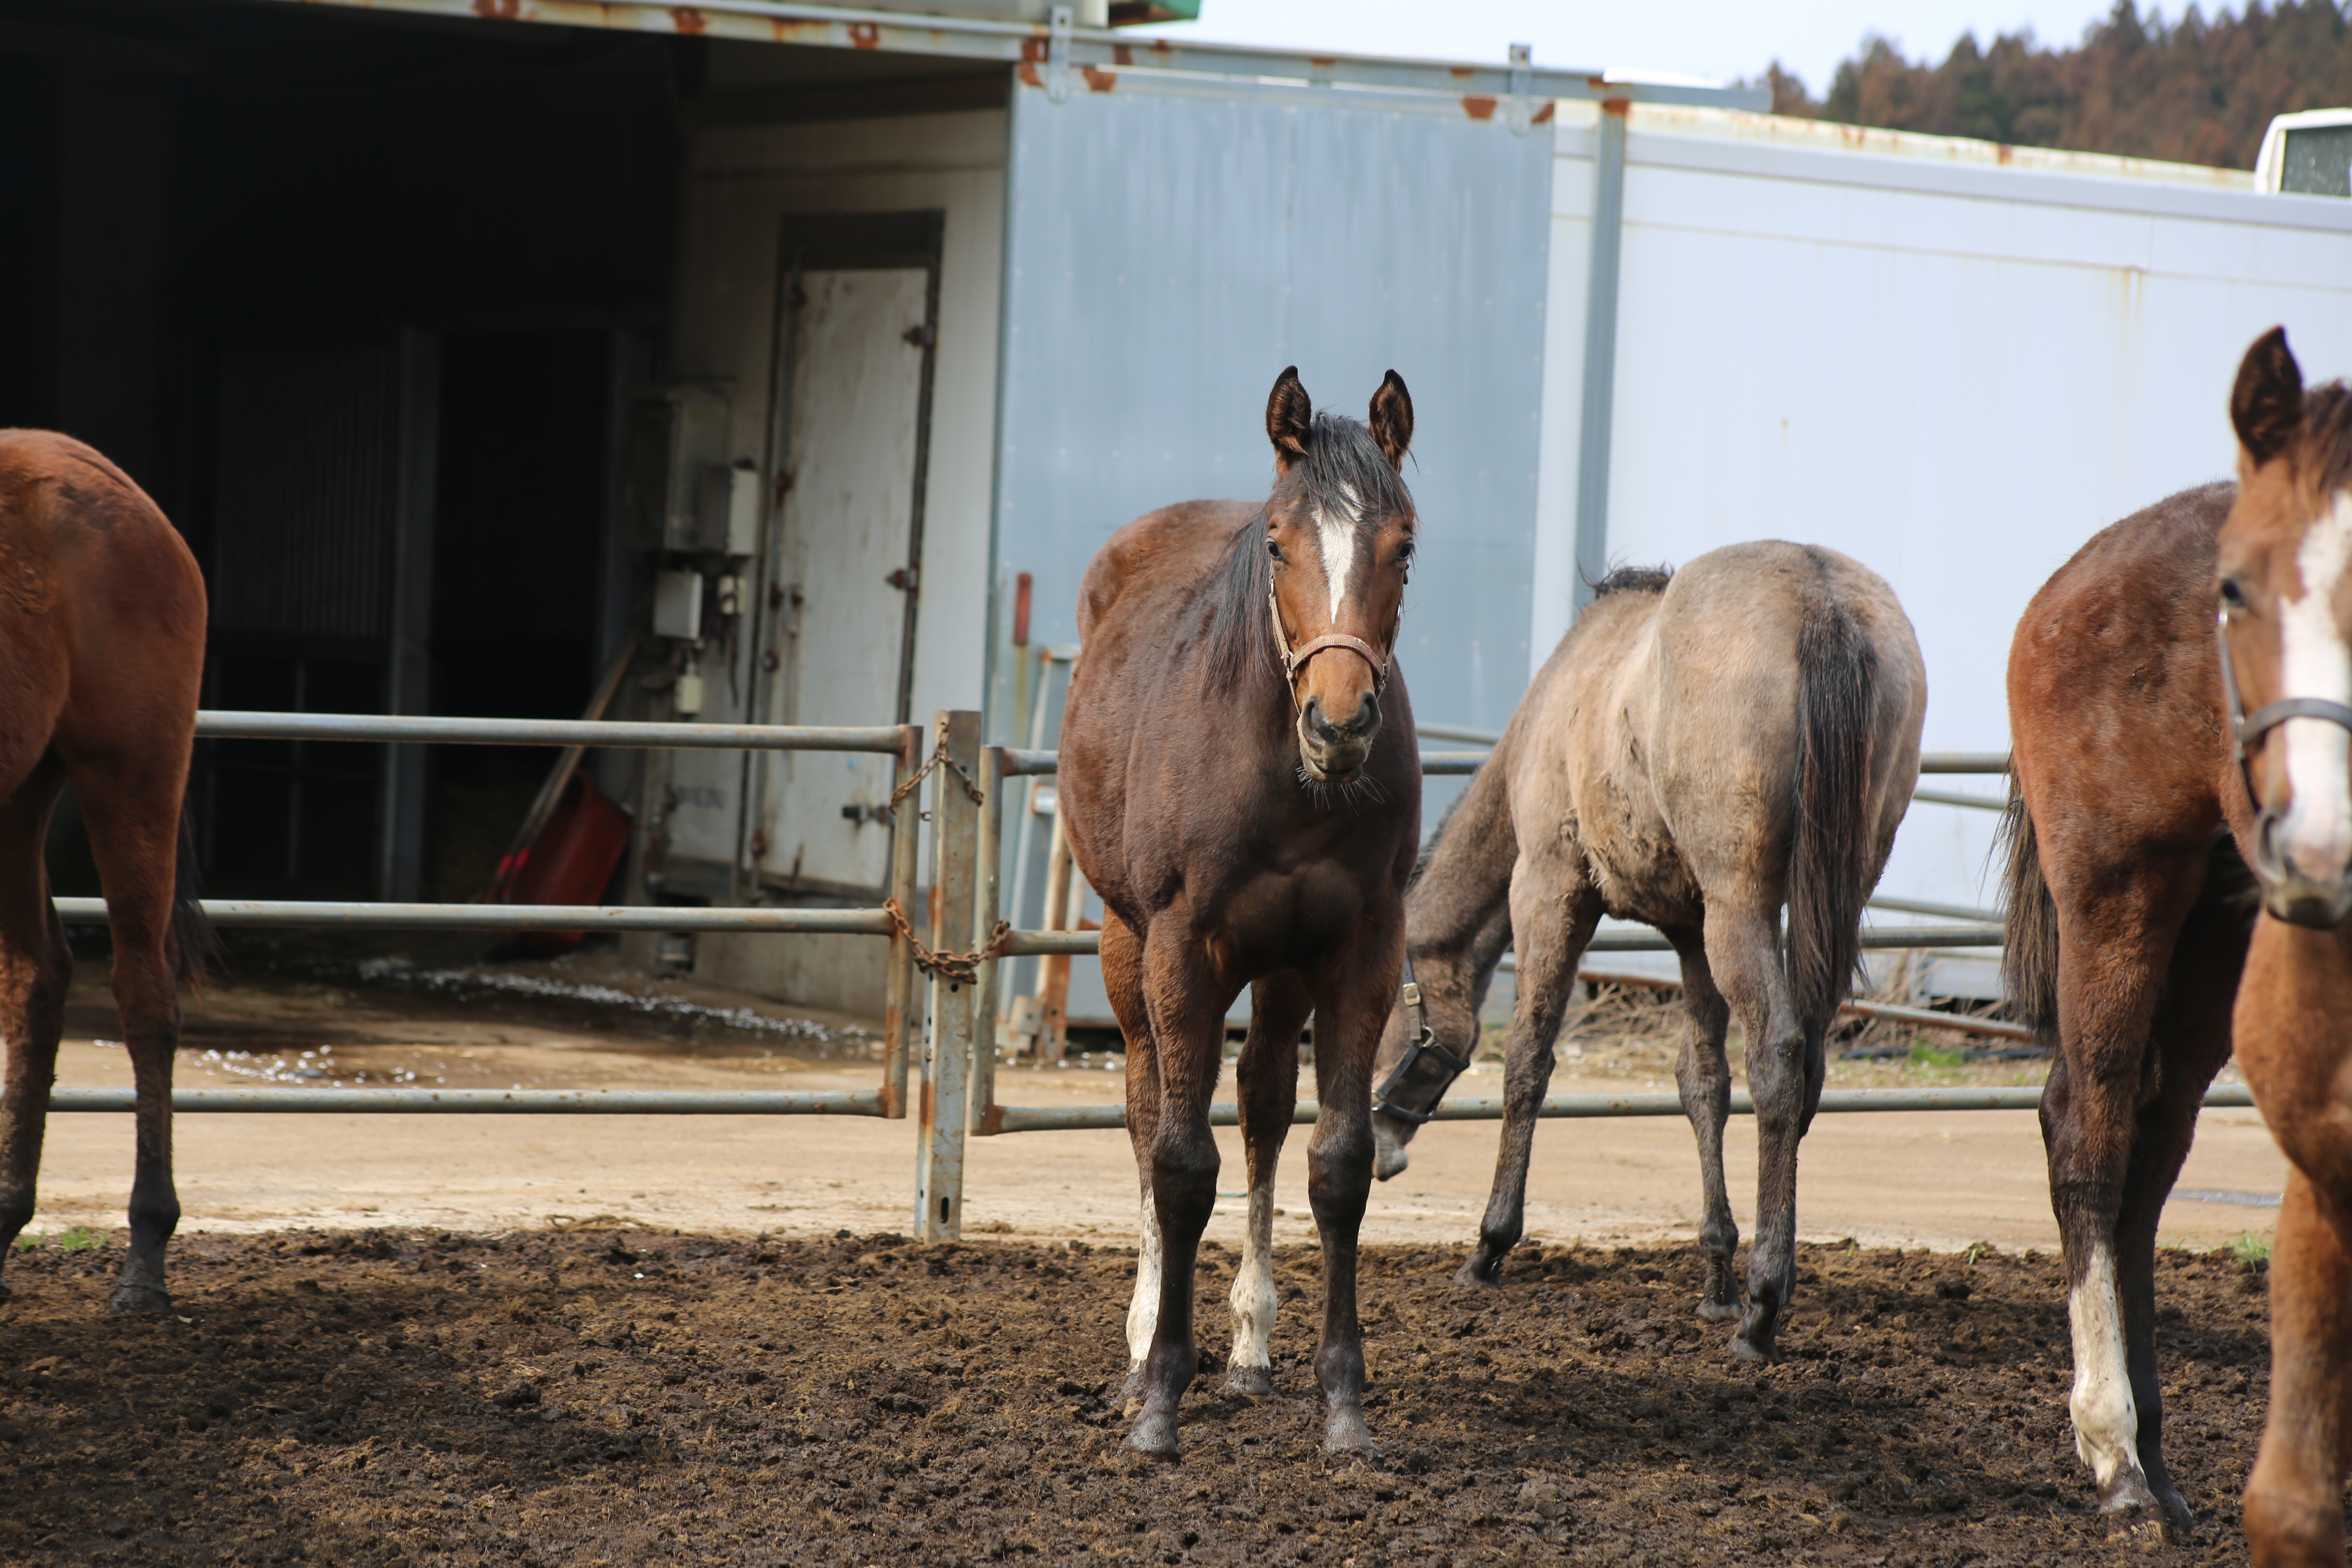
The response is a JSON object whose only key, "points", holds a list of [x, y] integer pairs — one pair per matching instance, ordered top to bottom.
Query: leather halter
{"points": [[1293, 662], [2246, 729]]}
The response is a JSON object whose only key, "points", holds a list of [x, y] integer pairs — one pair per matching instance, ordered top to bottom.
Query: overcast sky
{"points": [[1717, 38]]}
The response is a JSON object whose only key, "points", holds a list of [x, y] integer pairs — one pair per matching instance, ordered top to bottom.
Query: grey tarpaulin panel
{"points": [[1171, 247]]}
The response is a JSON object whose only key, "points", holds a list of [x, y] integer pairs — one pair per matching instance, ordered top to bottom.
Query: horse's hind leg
{"points": [[132, 805], [1554, 909], [1743, 954], [35, 969], [1122, 969], [1187, 1004], [2191, 1035], [1267, 1076], [1704, 1077], [2294, 1499]]}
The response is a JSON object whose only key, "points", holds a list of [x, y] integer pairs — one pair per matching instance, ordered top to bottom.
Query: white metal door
{"points": [[848, 516]]}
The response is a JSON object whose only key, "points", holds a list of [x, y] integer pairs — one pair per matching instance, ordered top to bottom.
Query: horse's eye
{"points": [[1274, 548], [1404, 554], [2232, 594]]}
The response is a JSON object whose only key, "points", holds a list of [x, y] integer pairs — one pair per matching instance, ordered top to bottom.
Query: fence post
{"points": [[987, 871], [900, 996], [947, 1063]]}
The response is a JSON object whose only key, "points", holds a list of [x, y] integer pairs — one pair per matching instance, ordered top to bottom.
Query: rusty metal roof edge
{"points": [[980, 39]]}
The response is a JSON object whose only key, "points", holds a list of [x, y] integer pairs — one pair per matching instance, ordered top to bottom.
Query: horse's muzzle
{"points": [[1335, 753], [2289, 893]]}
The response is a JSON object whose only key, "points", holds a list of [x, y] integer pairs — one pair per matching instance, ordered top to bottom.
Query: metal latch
{"points": [[1058, 24], [1521, 113], [1411, 994]]}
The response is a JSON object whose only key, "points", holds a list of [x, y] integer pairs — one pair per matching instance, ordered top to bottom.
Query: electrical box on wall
{"points": [[682, 491], [677, 605]]}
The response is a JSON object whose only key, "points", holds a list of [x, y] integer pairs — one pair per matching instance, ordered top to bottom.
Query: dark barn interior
{"points": [[359, 301]]}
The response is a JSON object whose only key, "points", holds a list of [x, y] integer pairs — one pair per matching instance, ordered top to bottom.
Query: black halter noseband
{"points": [[1408, 1076]]}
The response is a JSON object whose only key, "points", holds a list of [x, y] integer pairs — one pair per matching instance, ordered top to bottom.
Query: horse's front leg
{"points": [[1554, 909], [1187, 1004], [1351, 1006], [1704, 1077], [1267, 1078], [2294, 1499]]}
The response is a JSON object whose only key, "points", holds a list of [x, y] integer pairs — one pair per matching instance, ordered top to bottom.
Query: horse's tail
{"points": [[1830, 871], [196, 943], [2029, 954]]}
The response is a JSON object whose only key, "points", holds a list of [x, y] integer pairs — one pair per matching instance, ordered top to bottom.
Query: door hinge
{"points": [[923, 335], [905, 579]]}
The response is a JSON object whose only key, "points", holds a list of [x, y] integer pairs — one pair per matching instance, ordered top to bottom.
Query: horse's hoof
{"points": [[1482, 1272], [136, 1298], [1720, 1311], [1759, 1348], [1253, 1382], [1345, 1433], [1155, 1434], [2129, 1494]]}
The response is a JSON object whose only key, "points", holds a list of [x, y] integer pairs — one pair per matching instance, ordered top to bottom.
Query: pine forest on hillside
{"points": [[2192, 90]]}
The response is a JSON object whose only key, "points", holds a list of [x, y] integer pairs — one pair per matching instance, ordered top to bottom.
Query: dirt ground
{"points": [[1938, 1180], [618, 1397]]}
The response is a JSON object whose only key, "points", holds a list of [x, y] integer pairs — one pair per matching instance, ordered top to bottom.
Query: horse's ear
{"points": [[2266, 406], [1289, 414], [1392, 418]]}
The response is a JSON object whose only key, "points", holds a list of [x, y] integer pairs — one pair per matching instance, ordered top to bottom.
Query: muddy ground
{"points": [[590, 1395]]}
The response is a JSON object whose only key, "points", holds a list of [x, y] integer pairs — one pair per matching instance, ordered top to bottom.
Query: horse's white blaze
{"points": [[1337, 534], [2316, 835], [1252, 1295], [1143, 1312], [2106, 1422]]}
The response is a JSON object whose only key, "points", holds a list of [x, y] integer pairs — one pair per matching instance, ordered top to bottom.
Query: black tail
{"points": [[1830, 871], [196, 943], [2029, 954]]}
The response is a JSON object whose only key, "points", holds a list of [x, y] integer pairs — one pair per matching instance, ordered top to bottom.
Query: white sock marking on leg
{"points": [[1252, 1296], [1143, 1312], [2106, 1422]]}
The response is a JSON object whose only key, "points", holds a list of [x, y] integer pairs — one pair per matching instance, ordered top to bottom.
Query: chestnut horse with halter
{"points": [[2285, 582], [101, 653], [1241, 785], [2141, 793]]}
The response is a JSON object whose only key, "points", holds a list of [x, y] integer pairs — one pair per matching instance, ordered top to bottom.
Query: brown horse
{"points": [[2286, 584], [101, 653], [1701, 750], [1241, 785], [2129, 914]]}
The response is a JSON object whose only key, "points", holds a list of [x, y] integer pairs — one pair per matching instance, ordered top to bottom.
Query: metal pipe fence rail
{"points": [[901, 743], [958, 1077], [989, 1119]]}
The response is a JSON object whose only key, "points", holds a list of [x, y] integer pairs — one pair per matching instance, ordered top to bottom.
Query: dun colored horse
{"points": [[2286, 584], [101, 652], [1699, 751], [1241, 786]]}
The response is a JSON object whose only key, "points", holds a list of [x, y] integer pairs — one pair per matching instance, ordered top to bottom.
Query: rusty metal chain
{"points": [[938, 755], [955, 968]]}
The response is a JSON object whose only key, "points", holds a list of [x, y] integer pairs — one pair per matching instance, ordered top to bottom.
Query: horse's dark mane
{"points": [[2327, 433], [1341, 457], [1632, 580], [1240, 634]]}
